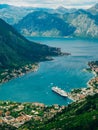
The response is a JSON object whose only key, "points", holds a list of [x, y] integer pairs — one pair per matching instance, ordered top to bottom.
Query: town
{"points": [[16, 114]]}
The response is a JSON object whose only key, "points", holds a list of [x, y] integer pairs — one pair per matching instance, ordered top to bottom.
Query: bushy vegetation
{"points": [[16, 51], [81, 115], [76, 116], [6, 127]]}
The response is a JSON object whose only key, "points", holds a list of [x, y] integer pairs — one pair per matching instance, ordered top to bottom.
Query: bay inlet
{"points": [[64, 71]]}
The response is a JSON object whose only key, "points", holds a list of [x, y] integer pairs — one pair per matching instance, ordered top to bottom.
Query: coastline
{"points": [[15, 73], [8, 75], [88, 83], [92, 85], [75, 94], [16, 114]]}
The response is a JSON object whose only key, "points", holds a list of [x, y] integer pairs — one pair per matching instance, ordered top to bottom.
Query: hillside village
{"points": [[16, 114]]}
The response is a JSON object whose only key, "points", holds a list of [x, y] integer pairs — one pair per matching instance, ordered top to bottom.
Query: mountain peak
{"points": [[62, 7], [94, 9]]}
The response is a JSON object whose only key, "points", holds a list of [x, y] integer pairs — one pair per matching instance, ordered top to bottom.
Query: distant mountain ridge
{"points": [[93, 10], [9, 12], [12, 14], [60, 22], [41, 23], [65, 23], [85, 23]]}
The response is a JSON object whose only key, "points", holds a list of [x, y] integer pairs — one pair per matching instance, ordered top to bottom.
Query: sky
{"points": [[51, 3]]}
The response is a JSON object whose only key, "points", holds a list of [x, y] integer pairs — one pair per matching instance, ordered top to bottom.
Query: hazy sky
{"points": [[51, 3]]}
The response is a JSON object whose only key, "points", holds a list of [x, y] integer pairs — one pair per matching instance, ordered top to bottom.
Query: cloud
{"points": [[51, 3]]}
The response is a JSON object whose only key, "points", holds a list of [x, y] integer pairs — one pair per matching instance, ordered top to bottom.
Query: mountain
{"points": [[94, 9], [64, 10], [9, 12], [12, 14], [41, 23], [61, 23], [85, 23], [17, 51], [77, 116]]}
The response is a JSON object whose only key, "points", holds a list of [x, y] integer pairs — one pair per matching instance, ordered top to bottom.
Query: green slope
{"points": [[16, 51], [81, 115], [77, 116]]}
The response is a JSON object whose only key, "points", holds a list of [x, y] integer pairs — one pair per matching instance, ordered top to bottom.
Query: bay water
{"points": [[65, 72]]}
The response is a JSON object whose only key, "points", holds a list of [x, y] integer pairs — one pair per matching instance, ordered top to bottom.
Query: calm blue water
{"points": [[65, 72]]}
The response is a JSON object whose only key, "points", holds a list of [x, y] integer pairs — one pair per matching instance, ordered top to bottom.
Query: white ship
{"points": [[59, 91]]}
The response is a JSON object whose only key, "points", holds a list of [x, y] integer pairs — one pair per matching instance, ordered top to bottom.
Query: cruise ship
{"points": [[59, 91]]}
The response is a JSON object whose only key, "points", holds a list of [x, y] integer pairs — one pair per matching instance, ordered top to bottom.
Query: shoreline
{"points": [[15, 73], [8, 74], [88, 85], [91, 88], [75, 94], [78, 94]]}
